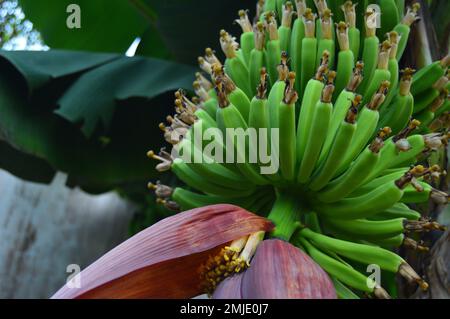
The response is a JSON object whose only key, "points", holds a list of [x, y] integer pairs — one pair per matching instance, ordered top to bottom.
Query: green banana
{"points": [[270, 5], [401, 7], [389, 17], [404, 28], [284, 31], [298, 33], [354, 35], [326, 40], [247, 42], [273, 47], [309, 49], [370, 51], [346, 58], [256, 62], [234, 66], [393, 69], [380, 75], [429, 75], [234, 94], [312, 95], [425, 99], [346, 100], [399, 113], [286, 118], [233, 120], [367, 125], [317, 133], [339, 147], [398, 150], [354, 176], [385, 178], [194, 180], [413, 195], [189, 200], [365, 205], [399, 210], [369, 229], [365, 254], [342, 272], [342, 291]]}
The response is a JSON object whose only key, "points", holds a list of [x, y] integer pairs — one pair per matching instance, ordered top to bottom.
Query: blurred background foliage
{"points": [[80, 105], [84, 108]]}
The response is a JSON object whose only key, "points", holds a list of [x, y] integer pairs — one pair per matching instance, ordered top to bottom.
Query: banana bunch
{"points": [[351, 128]]}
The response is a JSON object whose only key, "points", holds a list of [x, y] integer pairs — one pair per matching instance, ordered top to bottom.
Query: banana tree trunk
{"points": [[45, 228]]}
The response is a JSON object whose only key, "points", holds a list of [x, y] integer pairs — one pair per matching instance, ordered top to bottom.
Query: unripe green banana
{"points": [[389, 17], [404, 28], [284, 31], [298, 33], [354, 35], [247, 36], [326, 39], [273, 47], [309, 49], [370, 51], [346, 58], [234, 66], [393, 69], [380, 75], [429, 75], [311, 97], [426, 99], [346, 100], [399, 113], [286, 118], [234, 120], [260, 120], [367, 125], [317, 133], [340, 145], [398, 150], [354, 176], [194, 180], [413, 196], [189, 200], [366, 205], [399, 210], [369, 229], [389, 243], [365, 254], [342, 272], [342, 291]]}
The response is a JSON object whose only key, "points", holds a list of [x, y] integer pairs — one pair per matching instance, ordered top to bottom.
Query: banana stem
{"points": [[285, 214]]}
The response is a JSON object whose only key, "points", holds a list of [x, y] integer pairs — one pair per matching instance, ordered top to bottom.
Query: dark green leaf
{"points": [[106, 25], [189, 26], [171, 28], [152, 44], [38, 68], [134, 93], [91, 99], [25, 166]]}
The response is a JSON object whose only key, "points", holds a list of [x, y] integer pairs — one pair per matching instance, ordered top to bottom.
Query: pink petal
{"points": [[163, 260], [281, 271], [230, 288]]}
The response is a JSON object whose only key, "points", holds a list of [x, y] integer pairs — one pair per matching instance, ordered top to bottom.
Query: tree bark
{"points": [[45, 228], [438, 271]]}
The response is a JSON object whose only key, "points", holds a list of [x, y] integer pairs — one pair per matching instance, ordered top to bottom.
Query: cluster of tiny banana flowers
{"points": [[352, 129]]}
